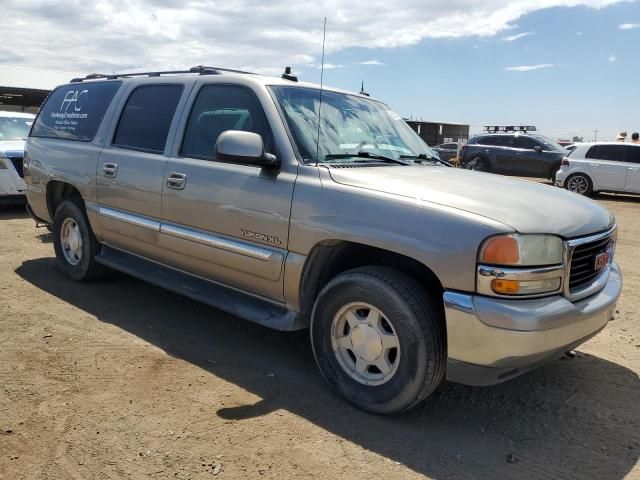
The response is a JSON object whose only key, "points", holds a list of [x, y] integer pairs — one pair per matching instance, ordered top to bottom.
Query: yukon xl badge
{"points": [[260, 236]]}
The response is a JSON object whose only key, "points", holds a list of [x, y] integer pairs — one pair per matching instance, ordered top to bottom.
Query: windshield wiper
{"points": [[362, 154], [423, 157]]}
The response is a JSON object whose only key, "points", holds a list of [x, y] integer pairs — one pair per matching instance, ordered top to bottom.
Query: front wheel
{"points": [[579, 183], [74, 243], [378, 339]]}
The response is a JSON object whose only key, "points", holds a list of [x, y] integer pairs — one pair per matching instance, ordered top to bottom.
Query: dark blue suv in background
{"points": [[519, 154]]}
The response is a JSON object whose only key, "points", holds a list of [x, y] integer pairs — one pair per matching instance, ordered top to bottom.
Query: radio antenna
{"points": [[324, 37]]}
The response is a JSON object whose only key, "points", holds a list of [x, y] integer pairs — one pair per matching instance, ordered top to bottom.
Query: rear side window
{"points": [[74, 112], [146, 118], [503, 140], [485, 141], [525, 143], [607, 152]]}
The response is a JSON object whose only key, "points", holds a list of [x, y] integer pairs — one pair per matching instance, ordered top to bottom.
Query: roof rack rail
{"points": [[200, 70], [509, 128]]}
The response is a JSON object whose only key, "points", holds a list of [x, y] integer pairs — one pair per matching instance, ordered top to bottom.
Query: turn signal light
{"points": [[505, 287]]}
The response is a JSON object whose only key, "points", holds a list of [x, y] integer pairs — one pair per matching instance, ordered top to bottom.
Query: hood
{"points": [[12, 147], [525, 206]]}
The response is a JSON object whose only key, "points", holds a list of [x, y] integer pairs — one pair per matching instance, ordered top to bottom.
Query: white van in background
{"points": [[14, 129]]}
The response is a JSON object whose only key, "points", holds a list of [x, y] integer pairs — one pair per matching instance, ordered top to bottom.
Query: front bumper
{"points": [[491, 340]]}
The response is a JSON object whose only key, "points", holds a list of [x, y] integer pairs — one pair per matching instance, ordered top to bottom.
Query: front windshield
{"points": [[349, 125], [14, 128], [548, 144]]}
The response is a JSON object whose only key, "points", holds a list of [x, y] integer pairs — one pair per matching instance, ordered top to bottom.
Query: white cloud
{"points": [[629, 26], [579, 33], [128, 35], [513, 38], [612, 58], [372, 62], [328, 66], [528, 68]]}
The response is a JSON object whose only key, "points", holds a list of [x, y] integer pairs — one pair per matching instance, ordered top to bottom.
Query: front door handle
{"points": [[110, 169], [633, 169], [177, 181]]}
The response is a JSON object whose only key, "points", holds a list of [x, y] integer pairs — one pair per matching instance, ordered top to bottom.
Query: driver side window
{"points": [[219, 108]]}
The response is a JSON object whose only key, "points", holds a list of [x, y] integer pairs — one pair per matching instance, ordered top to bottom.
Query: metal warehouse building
{"points": [[23, 89], [435, 133]]}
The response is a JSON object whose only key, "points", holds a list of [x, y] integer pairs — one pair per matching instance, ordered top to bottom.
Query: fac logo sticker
{"points": [[73, 97]]}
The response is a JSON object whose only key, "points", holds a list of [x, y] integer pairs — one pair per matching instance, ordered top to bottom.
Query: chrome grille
{"points": [[583, 269]]}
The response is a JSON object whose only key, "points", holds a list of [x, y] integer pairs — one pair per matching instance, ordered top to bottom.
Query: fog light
{"points": [[505, 287], [525, 287]]}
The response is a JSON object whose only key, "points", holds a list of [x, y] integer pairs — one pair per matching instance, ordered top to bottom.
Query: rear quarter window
{"points": [[75, 111], [607, 152]]}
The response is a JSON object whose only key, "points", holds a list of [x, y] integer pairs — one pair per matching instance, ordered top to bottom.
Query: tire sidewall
{"points": [[477, 164], [71, 210], [414, 364]]}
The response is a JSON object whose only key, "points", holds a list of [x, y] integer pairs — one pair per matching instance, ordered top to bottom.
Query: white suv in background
{"points": [[14, 130], [601, 167]]}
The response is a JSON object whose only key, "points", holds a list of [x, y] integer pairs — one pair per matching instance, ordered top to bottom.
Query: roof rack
{"points": [[200, 70], [509, 128]]}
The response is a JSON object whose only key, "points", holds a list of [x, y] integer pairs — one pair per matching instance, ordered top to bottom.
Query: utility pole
{"points": [[595, 135]]}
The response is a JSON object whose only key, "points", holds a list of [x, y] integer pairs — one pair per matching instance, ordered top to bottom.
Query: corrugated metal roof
{"points": [[33, 78]]}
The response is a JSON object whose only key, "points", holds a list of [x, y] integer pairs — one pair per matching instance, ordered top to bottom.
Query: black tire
{"points": [[478, 164], [579, 178], [87, 268], [419, 326]]}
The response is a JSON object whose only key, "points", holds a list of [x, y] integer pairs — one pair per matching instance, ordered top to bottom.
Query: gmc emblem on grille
{"points": [[601, 260]]}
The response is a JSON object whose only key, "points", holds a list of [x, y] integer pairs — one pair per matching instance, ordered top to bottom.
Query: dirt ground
{"points": [[119, 379]]}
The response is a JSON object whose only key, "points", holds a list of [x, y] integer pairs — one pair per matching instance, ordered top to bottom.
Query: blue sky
{"points": [[444, 60], [594, 81]]}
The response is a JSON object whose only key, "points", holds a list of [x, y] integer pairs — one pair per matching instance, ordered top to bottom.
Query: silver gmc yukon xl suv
{"points": [[296, 207]]}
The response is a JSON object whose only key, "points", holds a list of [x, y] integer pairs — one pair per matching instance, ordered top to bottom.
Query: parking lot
{"points": [[120, 379]]}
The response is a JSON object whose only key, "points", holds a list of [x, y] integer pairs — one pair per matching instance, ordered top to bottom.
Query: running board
{"points": [[213, 294]]}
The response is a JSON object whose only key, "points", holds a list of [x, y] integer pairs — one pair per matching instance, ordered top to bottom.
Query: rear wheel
{"points": [[479, 164], [579, 183], [74, 243], [378, 339]]}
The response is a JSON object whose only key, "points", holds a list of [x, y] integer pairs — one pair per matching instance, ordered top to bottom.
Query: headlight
{"points": [[522, 250], [521, 265]]}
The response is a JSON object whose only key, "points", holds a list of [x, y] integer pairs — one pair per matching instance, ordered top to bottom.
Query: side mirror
{"points": [[244, 147], [538, 148]]}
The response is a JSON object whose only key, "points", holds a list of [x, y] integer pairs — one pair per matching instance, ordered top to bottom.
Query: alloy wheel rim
{"points": [[475, 164], [578, 184], [71, 241], [365, 343]]}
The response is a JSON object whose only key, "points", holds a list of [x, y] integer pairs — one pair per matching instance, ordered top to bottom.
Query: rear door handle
{"points": [[110, 169], [633, 169], [177, 181]]}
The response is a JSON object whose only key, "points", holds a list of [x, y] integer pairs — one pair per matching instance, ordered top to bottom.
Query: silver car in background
{"points": [[447, 151], [601, 167]]}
